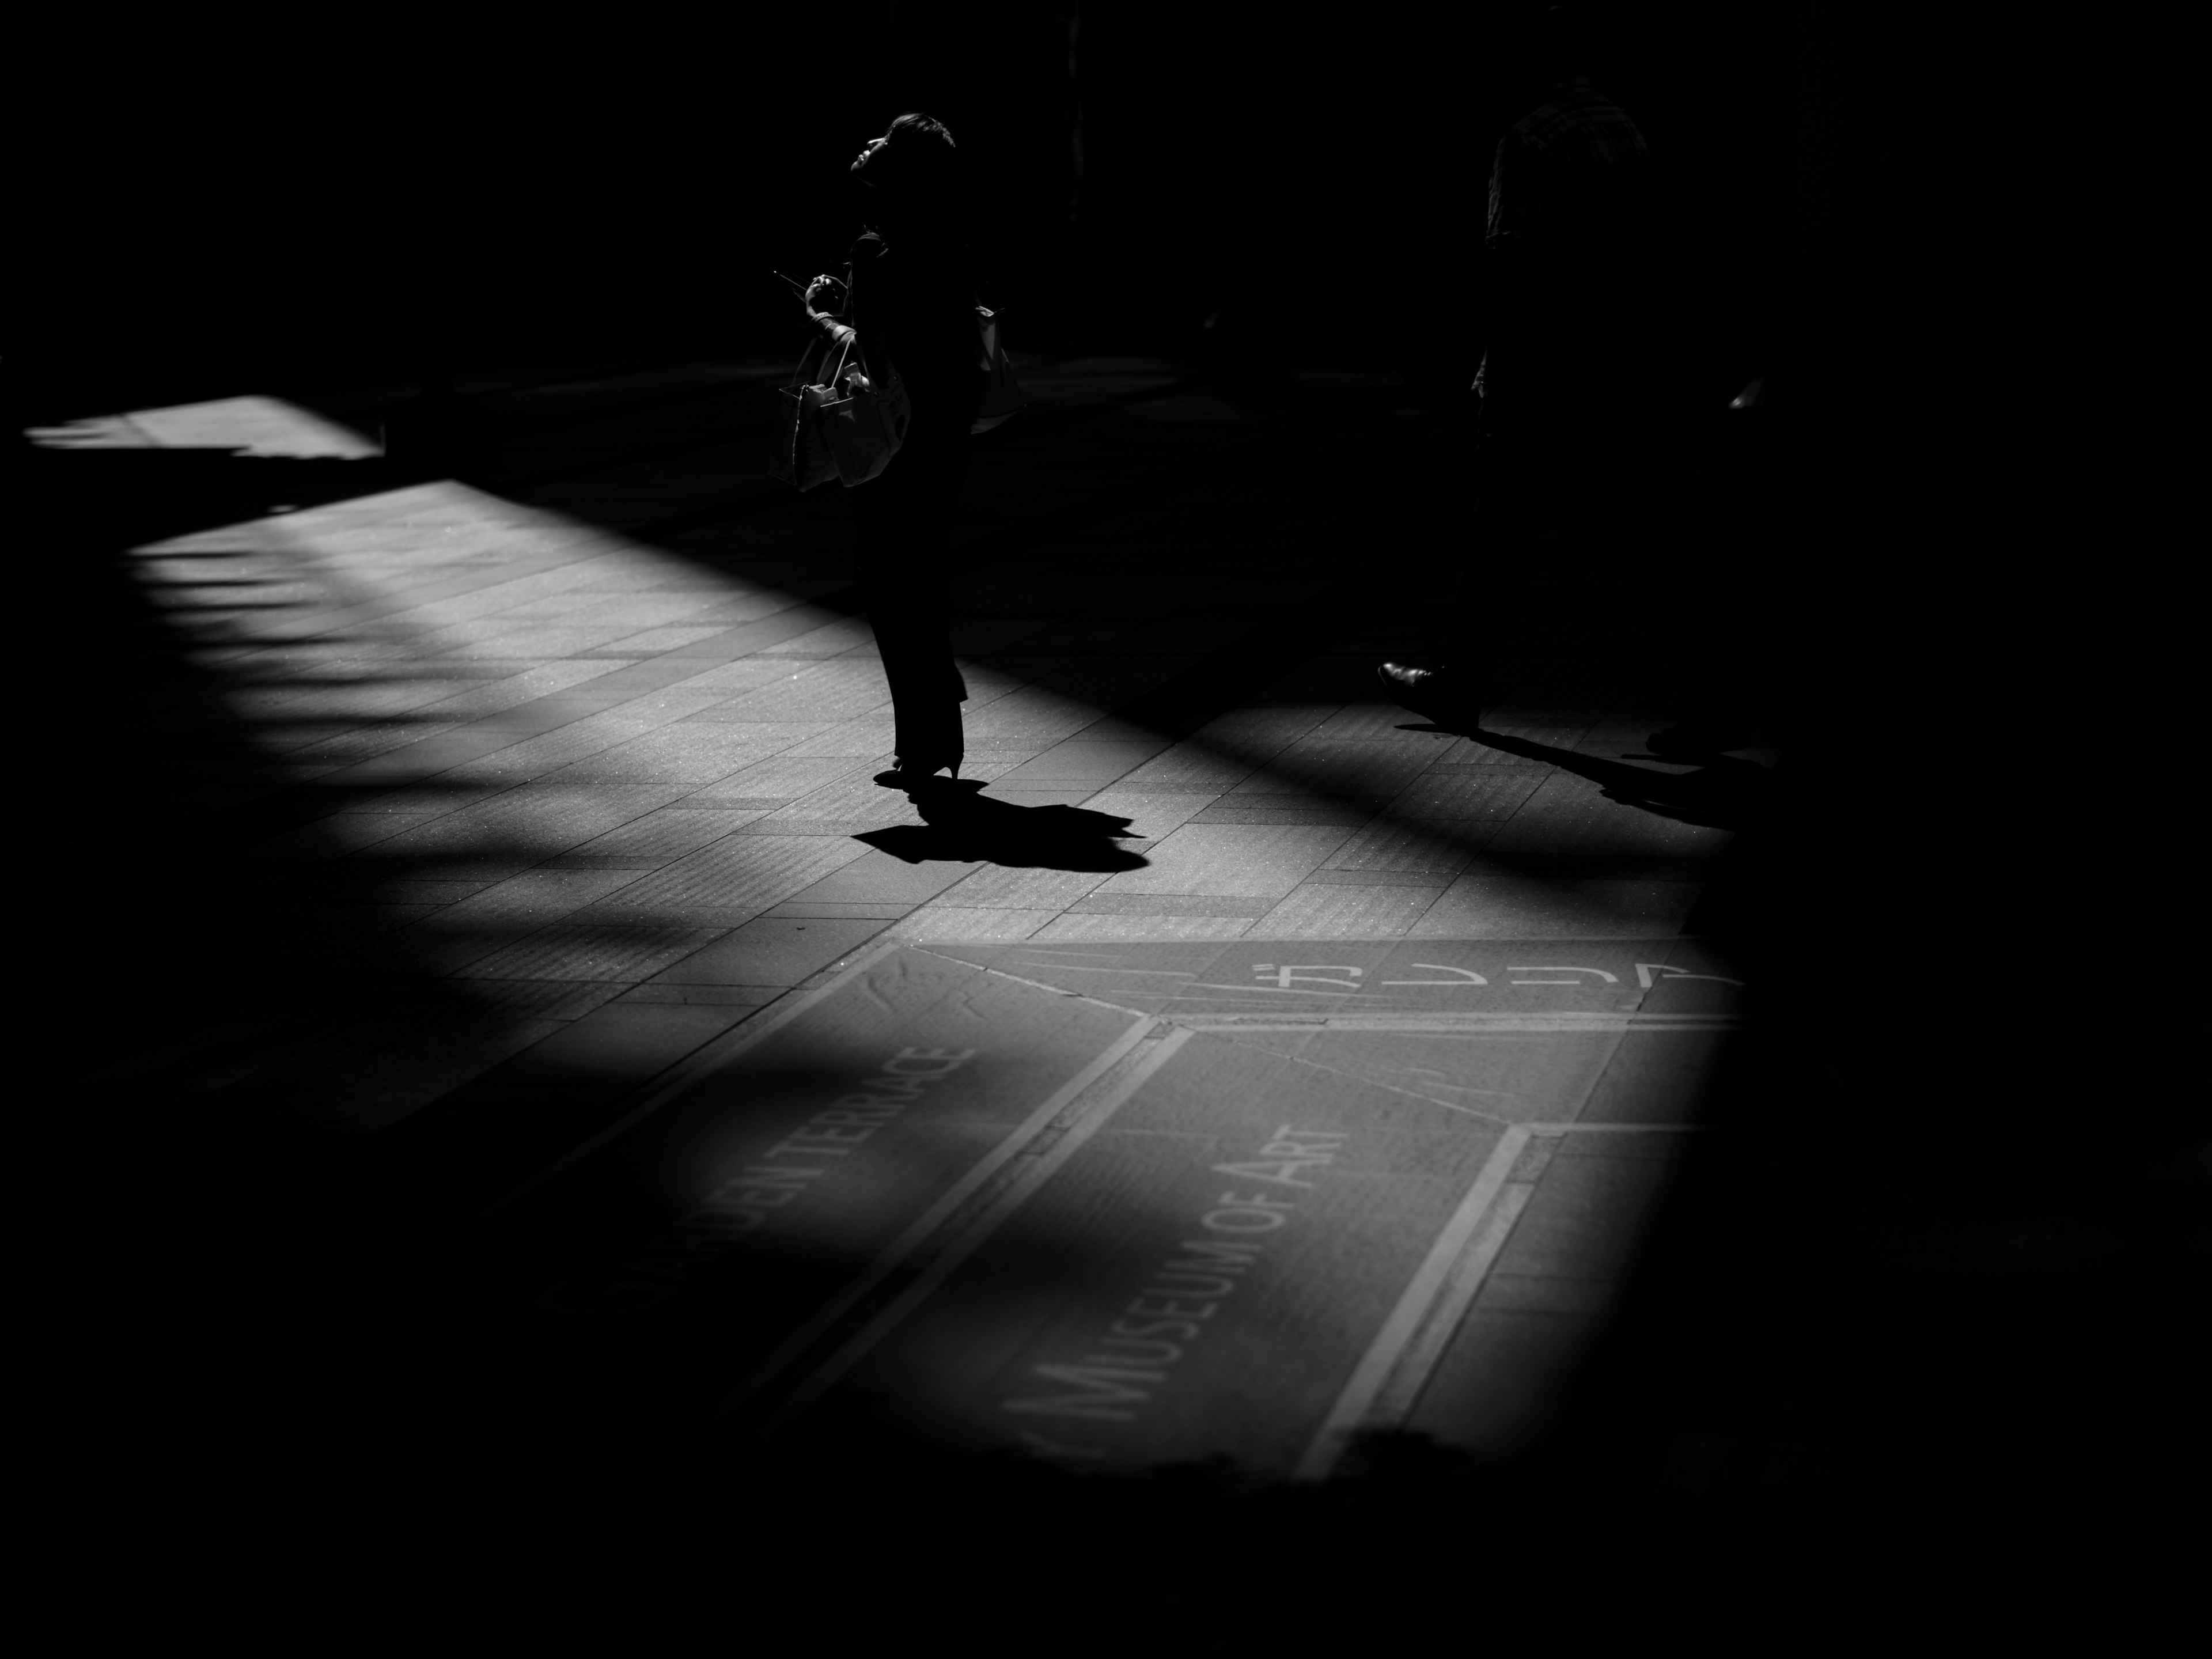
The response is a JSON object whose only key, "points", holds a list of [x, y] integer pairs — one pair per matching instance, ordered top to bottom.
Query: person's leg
{"points": [[1518, 469], [1517, 474], [1647, 512], [904, 566]]}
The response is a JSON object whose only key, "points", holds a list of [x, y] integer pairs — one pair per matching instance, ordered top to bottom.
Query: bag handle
{"points": [[851, 347]]}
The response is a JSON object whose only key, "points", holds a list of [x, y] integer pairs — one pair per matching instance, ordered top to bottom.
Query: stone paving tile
{"points": [[597, 604], [832, 639], [491, 640], [654, 640], [539, 679], [733, 679], [1099, 681], [837, 690], [276, 710], [1028, 717], [1374, 722], [1258, 734], [868, 739], [309, 751], [680, 754], [537, 757], [1090, 762], [1190, 766], [1353, 769], [784, 778], [1486, 793], [854, 795], [431, 798], [1029, 798], [1151, 813], [1568, 814], [1345, 815], [534, 820], [776, 824], [671, 832], [340, 834], [1438, 847], [1238, 860], [637, 863], [876, 876], [1327, 878], [731, 881], [446, 882], [996, 887], [533, 898], [1168, 904], [1500, 906], [841, 910], [1336, 912], [951, 922], [1143, 927], [580, 950], [770, 950], [705, 996], [532, 999], [1589, 1215], [1499, 1380]]}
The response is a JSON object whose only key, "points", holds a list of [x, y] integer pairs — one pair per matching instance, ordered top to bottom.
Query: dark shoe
{"points": [[1429, 692], [909, 775]]}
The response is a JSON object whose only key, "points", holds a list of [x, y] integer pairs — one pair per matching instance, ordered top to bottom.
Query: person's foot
{"points": [[1428, 691], [907, 773]]}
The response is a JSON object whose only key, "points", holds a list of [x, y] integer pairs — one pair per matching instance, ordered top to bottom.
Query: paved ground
{"points": [[502, 964]]}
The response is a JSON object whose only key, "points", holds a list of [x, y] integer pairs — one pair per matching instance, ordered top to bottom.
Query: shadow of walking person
{"points": [[1724, 793], [961, 825]]}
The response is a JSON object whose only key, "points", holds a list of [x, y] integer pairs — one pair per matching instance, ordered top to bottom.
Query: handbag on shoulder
{"points": [[1002, 397], [864, 417], [801, 456]]}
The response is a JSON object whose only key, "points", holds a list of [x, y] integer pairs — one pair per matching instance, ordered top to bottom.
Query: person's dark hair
{"points": [[919, 162]]}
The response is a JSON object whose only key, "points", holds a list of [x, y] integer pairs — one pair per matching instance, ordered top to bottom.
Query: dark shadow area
{"points": [[964, 825]]}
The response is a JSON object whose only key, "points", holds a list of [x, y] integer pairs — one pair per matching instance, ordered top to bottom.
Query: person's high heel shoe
{"points": [[911, 773]]}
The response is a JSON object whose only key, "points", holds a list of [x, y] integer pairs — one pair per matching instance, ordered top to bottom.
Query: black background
{"points": [[216, 196]]}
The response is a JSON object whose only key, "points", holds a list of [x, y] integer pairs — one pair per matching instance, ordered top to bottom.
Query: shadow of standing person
{"points": [[909, 294], [1580, 388]]}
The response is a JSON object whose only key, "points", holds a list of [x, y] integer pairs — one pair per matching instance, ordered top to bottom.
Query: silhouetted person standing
{"points": [[910, 296], [1576, 384]]}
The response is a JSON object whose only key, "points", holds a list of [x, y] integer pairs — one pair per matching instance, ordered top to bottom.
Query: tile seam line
{"points": [[1035, 984]]}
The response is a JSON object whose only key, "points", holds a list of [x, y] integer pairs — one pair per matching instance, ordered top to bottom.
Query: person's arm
{"points": [[825, 304]]}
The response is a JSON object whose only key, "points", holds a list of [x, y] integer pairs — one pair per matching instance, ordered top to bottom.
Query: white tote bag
{"points": [[863, 416]]}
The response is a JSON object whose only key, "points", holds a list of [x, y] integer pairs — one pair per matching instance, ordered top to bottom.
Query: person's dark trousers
{"points": [[1527, 462], [904, 563]]}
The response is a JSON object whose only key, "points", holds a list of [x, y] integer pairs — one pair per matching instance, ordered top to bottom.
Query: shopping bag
{"points": [[1002, 397], [863, 416], [801, 454]]}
